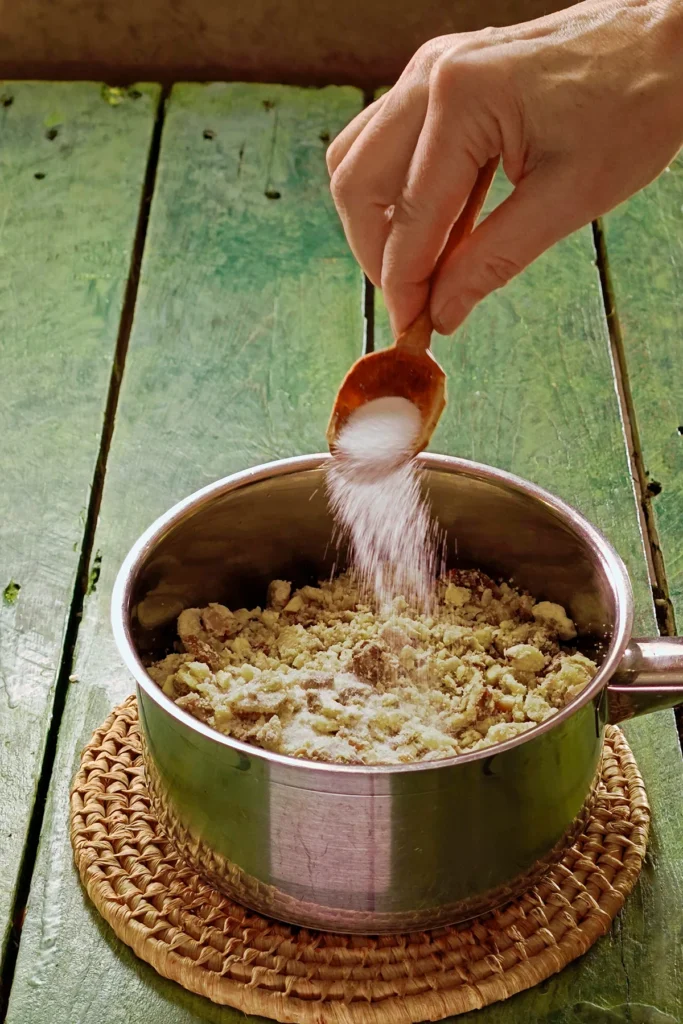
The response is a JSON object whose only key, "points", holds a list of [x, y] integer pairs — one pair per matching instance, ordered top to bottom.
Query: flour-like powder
{"points": [[374, 489]]}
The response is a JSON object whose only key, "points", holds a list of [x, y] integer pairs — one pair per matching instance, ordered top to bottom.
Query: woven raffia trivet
{"points": [[192, 934]]}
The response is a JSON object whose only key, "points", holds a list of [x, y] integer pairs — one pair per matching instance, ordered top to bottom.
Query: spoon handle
{"points": [[418, 337]]}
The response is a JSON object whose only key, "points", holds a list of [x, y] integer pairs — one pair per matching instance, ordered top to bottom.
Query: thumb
{"points": [[541, 210]]}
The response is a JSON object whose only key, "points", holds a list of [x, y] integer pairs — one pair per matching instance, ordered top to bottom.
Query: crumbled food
{"points": [[279, 593], [556, 617], [320, 674], [197, 705]]}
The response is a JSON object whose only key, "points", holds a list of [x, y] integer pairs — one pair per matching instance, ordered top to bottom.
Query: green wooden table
{"points": [[177, 302]]}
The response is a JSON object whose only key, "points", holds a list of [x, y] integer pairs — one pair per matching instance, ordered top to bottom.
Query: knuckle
{"points": [[486, 36], [425, 57], [467, 67], [444, 74], [463, 82], [333, 156], [341, 185], [407, 209], [401, 270], [498, 270], [393, 275], [478, 279], [388, 280]]}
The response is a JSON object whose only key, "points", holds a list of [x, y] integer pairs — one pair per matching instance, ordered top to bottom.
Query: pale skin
{"points": [[583, 108]]}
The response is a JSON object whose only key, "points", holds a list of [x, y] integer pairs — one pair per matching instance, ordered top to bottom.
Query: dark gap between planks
{"points": [[368, 296], [368, 316], [645, 488], [81, 585]]}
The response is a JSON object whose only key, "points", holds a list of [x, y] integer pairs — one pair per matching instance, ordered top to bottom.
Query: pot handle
{"points": [[649, 678]]}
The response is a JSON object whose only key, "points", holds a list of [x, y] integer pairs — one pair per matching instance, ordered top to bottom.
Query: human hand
{"points": [[585, 107]]}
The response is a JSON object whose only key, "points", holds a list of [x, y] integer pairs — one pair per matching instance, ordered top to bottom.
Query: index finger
{"points": [[339, 147], [369, 178], [440, 178]]}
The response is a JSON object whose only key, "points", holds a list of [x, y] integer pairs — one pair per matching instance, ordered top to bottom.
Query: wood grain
{"points": [[72, 167], [647, 281], [249, 313], [531, 390]]}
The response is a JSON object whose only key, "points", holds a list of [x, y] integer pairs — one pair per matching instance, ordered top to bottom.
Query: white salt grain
{"points": [[379, 436], [374, 489]]}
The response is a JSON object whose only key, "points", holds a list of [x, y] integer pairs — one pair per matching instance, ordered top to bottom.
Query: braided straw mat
{"points": [[192, 934]]}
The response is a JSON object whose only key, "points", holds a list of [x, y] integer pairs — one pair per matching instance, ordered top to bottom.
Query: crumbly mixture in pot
{"points": [[319, 674]]}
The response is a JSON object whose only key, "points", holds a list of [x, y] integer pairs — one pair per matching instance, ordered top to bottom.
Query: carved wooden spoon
{"points": [[408, 369]]}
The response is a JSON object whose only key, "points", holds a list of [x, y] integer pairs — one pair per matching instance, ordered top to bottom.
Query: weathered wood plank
{"points": [[72, 166], [644, 245], [644, 249], [249, 313], [531, 389]]}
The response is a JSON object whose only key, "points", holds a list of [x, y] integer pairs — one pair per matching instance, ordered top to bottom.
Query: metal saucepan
{"points": [[395, 848]]}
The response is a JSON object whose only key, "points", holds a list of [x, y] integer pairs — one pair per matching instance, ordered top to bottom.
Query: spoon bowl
{"points": [[405, 370]]}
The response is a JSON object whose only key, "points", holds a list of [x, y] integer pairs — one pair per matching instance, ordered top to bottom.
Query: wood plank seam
{"points": [[368, 286], [368, 316], [645, 488], [84, 578]]}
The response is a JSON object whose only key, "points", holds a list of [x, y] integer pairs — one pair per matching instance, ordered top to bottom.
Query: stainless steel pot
{"points": [[394, 848]]}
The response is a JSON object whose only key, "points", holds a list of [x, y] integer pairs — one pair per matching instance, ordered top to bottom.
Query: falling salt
{"points": [[374, 489]]}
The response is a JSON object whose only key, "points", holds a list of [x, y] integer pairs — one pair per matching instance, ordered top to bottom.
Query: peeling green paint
{"points": [[113, 95], [94, 574], [11, 592]]}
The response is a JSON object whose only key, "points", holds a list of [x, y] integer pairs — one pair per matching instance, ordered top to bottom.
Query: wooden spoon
{"points": [[408, 369]]}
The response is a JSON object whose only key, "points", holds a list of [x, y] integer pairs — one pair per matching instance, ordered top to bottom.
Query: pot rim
{"points": [[603, 551]]}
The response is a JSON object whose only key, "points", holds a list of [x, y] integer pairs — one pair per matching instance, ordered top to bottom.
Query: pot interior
{"points": [[275, 523]]}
